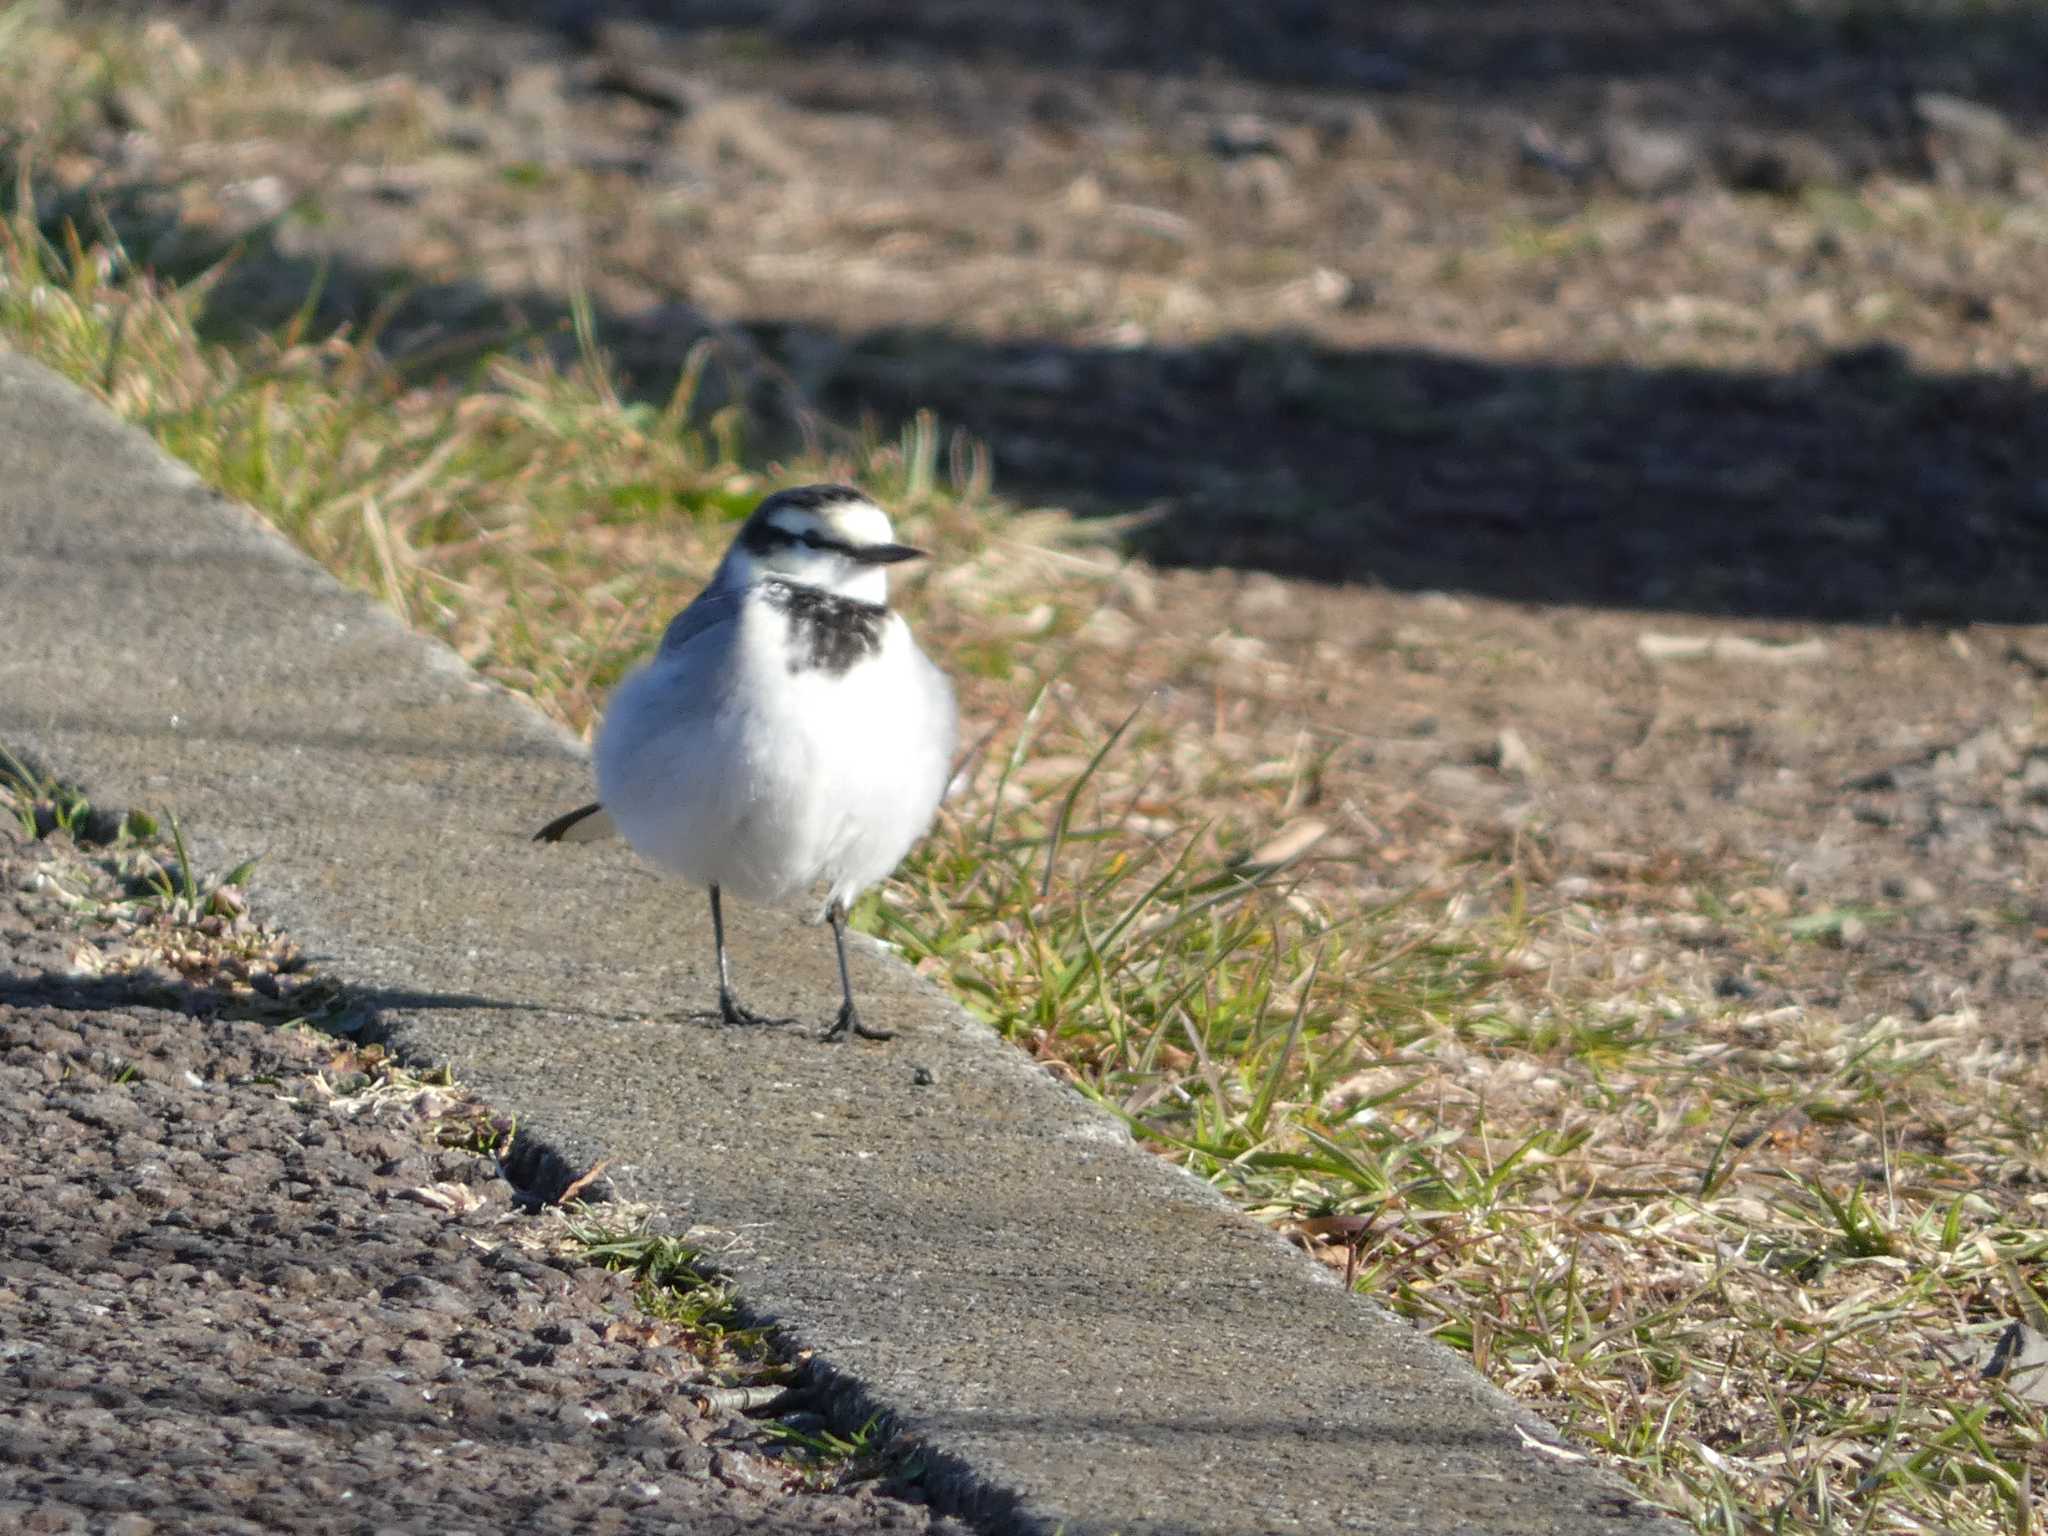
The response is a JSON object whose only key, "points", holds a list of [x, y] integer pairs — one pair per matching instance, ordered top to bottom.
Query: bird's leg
{"points": [[729, 1007], [849, 1016]]}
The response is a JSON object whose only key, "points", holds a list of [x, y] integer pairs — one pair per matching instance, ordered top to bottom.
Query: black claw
{"points": [[734, 1012], [849, 1021]]}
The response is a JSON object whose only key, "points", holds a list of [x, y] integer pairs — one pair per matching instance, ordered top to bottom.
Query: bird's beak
{"points": [[883, 554]]}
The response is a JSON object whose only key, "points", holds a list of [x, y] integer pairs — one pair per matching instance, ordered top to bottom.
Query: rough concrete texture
{"points": [[1084, 1338]]}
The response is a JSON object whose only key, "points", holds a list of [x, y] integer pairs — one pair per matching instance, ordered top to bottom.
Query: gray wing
{"points": [[714, 606], [711, 615], [680, 686]]}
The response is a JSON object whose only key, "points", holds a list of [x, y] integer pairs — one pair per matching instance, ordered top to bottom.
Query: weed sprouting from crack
{"points": [[674, 1283], [865, 1452]]}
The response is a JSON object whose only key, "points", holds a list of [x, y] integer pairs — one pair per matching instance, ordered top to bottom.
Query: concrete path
{"points": [[1086, 1339]]}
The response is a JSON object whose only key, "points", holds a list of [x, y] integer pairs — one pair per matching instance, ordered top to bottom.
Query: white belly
{"points": [[723, 766]]}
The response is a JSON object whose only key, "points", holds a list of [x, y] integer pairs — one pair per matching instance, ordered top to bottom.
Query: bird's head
{"points": [[826, 536]]}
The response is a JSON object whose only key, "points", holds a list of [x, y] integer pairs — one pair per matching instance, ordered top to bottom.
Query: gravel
{"points": [[239, 1301]]}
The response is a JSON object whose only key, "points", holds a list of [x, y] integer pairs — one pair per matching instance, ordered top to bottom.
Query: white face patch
{"points": [[857, 522]]}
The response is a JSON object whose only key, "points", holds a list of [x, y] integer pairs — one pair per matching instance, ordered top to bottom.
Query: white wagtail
{"points": [[788, 733]]}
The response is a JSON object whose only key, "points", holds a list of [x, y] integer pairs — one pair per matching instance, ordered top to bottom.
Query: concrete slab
{"points": [[1087, 1339]]}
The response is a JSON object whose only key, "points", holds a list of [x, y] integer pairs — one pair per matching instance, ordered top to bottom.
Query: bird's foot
{"points": [[733, 1011], [849, 1020]]}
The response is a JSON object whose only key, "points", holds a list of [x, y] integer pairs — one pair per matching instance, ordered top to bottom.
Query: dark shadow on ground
{"points": [[1492, 47], [1839, 66], [1855, 489], [360, 1013]]}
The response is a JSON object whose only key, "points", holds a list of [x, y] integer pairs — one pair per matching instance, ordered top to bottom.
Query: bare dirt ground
{"points": [[249, 1290]]}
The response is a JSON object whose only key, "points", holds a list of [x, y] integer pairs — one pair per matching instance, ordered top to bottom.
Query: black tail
{"points": [[558, 829]]}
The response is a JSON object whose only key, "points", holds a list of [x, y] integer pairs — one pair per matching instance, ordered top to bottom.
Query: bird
{"points": [[788, 733]]}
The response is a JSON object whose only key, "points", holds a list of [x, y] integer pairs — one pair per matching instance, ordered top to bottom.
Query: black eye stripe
{"points": [[810, 538]]}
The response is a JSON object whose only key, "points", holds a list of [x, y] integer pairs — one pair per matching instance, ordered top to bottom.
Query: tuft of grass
{"points": [[41, 805], [147, 908], [674, 1285], [832, 1458]]}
